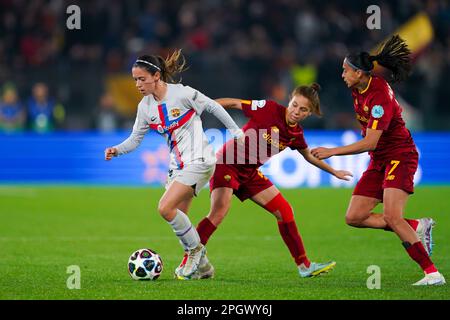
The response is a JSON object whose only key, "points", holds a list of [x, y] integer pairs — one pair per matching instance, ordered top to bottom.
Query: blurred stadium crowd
{"points": [[54, 78]]}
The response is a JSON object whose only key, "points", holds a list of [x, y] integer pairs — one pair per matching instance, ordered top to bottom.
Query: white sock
{"points": [[185, 231], [184, 246], [204, 261], [302, 266]]}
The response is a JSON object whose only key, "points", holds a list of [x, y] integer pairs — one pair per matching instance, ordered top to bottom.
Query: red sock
{"points": [[412, 222], [288, 228], [205, 229], [293, 241], [418, 253]]}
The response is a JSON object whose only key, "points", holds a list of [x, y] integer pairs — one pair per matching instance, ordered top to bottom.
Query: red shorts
{"points": [[396, 172], [246, 182]]}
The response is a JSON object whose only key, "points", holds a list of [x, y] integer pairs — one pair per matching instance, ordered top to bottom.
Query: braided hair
{"points": [[394, 55]]}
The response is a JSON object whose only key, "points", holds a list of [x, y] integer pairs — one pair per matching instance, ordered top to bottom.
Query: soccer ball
{"points": [[145, 264]]}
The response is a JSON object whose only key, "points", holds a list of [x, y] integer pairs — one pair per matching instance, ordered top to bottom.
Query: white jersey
{"points": [[177, 117]]}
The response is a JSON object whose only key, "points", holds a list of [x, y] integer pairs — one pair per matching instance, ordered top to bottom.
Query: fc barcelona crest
{"points": [[175, 113]]}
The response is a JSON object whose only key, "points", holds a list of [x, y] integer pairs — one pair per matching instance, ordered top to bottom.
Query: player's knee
{"points": [[280, 208], [164, 209], [287, 213], [391, 219], [353, 220]]}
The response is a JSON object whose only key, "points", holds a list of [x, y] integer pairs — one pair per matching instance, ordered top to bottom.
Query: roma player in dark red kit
{"points": [[271, 129], [394, 158]]}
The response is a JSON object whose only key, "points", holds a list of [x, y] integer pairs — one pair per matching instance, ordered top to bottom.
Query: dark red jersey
{"points": [[376, 108], [267, 133]]}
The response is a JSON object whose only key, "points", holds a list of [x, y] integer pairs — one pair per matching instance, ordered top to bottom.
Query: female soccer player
{"points": [[174, 110], [274, 127], [394, 158]]}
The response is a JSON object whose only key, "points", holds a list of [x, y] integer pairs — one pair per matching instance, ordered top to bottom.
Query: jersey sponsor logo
{"points": [[258, 104], [377, 111], [175, 112], [361, 118], [153, 119], [174, 124], [163, 129], [277, 144], [227, 177]]}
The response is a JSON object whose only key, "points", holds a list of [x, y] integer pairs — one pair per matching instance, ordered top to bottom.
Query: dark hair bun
{"points": [[315, 86]]}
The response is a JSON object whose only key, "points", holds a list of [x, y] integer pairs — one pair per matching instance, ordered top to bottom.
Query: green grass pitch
{"points": [[45, 229]]}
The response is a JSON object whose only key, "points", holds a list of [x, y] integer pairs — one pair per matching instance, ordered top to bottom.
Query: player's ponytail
{"points": [[393, 55], [173, 65], [168, 68], [312, 94]]}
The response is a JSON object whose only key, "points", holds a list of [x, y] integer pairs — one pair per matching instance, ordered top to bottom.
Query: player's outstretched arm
{"points": [[230, 103], [140, 128], [369, 143], [340, 174]]}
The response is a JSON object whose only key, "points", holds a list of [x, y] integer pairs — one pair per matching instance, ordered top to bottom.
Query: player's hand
{"points": [[240, 137], [110, 153], [322, 153], [343, 175]]}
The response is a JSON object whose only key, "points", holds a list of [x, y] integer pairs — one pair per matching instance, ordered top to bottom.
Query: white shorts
{"points": [[193, 175]]}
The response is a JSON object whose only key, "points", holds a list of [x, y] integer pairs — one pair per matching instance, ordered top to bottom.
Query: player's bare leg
{"points": [[176, 195], [264, 197], [273, 201], [394, 203], [220, 204], [185, 205], [359, 213]]}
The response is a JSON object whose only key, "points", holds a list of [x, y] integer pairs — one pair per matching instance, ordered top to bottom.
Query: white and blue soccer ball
{"points": [[145, 264]]}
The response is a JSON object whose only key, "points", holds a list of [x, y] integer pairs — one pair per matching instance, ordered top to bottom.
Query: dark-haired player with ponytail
{"points": [[173, 110], [271, 129], [394, 158]]}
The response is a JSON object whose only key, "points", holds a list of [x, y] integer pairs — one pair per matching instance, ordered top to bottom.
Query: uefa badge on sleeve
{"points": [[377, 111]]}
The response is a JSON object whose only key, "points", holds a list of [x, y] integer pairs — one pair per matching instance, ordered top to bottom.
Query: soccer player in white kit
{"points": [[174, 110]]}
